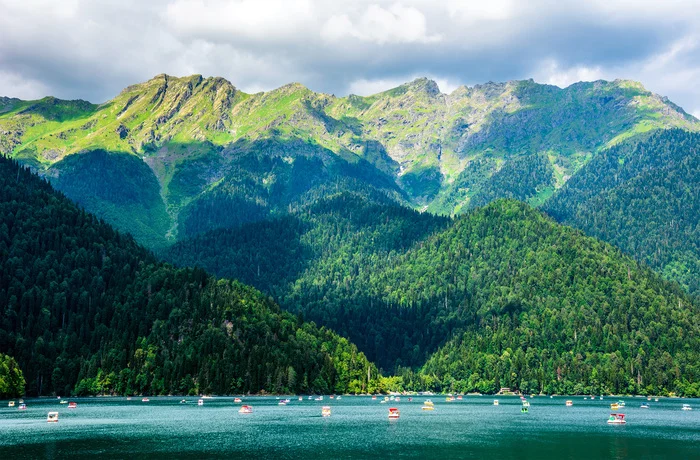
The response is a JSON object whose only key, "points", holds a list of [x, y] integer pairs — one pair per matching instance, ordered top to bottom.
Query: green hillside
{"points": [[219, 157], [643, 197], [503, 274], [87, 310]]}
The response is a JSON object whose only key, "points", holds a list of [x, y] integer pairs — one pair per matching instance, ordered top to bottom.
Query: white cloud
{"points": [[478, 10], [256, 19], [395, 24], [551, 73], [14, 85], [364, 87]]}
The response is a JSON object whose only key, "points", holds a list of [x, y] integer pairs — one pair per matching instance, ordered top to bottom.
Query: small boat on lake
{"points": [[128, 398], [301, 398], [310, 398], [320, 398], [374, 398], [459, 398], [656, 399], [145, 400], [237, 400], [183, 401], [64, 402], [200, 402], [495, 402], [569, 403], [621, 403], [11, 404], [526, 404], [72, 405], [428, 405], [614, 406], [644, 406], [22, 407], [686, 407], [245, 410], [524, 410], [326, 411], [393, 413], [52, 417], [617, 419]]}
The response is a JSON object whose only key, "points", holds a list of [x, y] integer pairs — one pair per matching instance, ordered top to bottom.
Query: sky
{"points": [[92, 49]]}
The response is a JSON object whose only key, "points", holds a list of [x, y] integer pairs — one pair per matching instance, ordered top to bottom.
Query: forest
{"points": [[86, 310]]}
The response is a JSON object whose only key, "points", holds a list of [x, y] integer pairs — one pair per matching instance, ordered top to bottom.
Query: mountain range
{"points": [[506, 234]]}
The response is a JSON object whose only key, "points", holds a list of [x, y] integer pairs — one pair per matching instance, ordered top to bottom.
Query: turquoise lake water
{"points": [[358, 428]]}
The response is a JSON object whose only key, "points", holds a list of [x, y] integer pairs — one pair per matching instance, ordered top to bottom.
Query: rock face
{"points": [[203, 138]]}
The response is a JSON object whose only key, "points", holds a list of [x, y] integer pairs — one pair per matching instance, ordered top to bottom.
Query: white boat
{"points": [[310, 398], [320, 398], [337, 398], [656, 399], [145, 400], [237, 400], [183, 401], [64, 402], [200, 402], [495, 402], [282, 403], [569, 403], [11, 404], [526, 404], [644, 406], [22, 407], [686, 407], [326, 411], [52, 417], [617, 419]]}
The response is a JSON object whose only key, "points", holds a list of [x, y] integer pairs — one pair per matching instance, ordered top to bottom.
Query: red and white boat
{"points": [[237, 400], [72, 405], [245, 410], [326, 411], [393, 413], [52, 417], [617, 419]]}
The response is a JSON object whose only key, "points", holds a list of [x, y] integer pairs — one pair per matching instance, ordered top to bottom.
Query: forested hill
{"points": [[643, 197], [505, 275], [88, 310]]}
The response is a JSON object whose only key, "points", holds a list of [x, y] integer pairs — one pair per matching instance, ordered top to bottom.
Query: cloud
{"points": [[395, 24], [91, 49]]}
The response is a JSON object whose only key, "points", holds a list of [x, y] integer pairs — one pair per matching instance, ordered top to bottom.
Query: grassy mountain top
{"points": [[441, 152]]}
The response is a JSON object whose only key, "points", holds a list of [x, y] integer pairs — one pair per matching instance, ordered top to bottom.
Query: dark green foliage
{"points": [[273, 177], [521, 178], [119, 188], [643, 197], [466, 291], [85, 308], [11, 378]]}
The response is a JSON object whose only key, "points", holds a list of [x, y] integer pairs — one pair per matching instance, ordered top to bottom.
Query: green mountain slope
{"points": [[212, 147], [643, 197], [505, 268], [88, 310]]}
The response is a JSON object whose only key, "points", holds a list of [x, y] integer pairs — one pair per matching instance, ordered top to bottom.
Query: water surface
{"points": [[358, 428]]}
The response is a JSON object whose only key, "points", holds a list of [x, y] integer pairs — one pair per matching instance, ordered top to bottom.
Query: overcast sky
{"points": [[91, 49]]}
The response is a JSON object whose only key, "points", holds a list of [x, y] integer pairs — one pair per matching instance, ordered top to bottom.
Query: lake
{"points": [[358, 428]]}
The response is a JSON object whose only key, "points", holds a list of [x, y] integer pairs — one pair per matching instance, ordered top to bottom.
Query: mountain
{"points": [[173, 157], [643, 197], [453, 296], [87, 310]]}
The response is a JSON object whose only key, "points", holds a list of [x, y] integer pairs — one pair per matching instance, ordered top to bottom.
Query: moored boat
{"points": [[301, 398], [374, 398], [145, 400], [237, 400], [200, 402], [495, 402], [569, 403], [11, 404], [72, 405], [22, 407], [686, 407], [245, 410], [326, 411], [393, 413], [52, 417], [617, 419]]}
